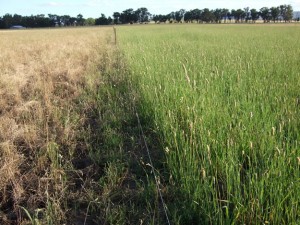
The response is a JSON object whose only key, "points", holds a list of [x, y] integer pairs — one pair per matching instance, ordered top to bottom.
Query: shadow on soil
{"points": [[115, 176]]}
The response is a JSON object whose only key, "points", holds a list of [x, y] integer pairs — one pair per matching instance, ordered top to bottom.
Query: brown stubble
{"points": [[42, 73]]}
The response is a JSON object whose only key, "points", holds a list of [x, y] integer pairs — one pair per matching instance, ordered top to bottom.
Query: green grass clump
{"points": [[225, 102]]}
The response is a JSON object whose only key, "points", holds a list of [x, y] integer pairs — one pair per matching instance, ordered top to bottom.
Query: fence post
{"points": [[115, 32]]}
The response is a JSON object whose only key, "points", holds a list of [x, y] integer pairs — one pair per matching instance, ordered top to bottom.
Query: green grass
{"points": [[225, 104]]}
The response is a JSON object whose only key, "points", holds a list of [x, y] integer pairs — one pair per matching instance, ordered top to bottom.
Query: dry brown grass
{"points": [[42, 74]]}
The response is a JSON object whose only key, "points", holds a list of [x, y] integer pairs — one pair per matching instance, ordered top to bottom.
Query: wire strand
{"points": [[152, 168]]}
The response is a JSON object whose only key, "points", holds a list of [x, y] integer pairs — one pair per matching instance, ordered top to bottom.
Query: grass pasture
{"points": [[224, 101], [219, 106]]}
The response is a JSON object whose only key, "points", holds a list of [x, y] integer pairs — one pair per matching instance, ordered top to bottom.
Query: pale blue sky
{"points": [[94, 8]]}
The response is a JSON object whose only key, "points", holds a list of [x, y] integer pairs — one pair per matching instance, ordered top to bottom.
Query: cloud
{"points": [[96, 3], [52, 4], [295, 4]]}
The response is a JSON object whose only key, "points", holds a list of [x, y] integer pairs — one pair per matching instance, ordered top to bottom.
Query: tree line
{"points": [[275, 14], [142, 15]]}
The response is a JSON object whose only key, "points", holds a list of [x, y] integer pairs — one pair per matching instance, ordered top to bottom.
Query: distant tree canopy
{"points": [[142, 15], [40, 20], [102, 20]]}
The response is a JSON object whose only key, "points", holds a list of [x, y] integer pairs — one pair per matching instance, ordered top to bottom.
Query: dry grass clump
{"points": [[42, 74]]}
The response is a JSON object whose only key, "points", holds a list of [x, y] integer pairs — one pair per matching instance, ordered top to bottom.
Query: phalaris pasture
{"points": [[224, 102], [219, 109]]}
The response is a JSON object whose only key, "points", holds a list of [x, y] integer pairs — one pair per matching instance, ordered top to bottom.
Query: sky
{"points": [[94, 8]]}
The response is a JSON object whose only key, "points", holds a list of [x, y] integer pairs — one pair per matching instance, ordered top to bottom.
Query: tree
{"points": [[274, 12], [286, 12], [289, 13], [224, 14], [247, 14], [265, 14], [142, 15], [179, 15], [193, 15], [196, 15], [207, 15], [218, 15], [238, 15], [254, 15], [128, 16], [188, 16], [229, 16], [116, 17], [171, 17], [155, 18], [160, 18], [165, 18], [53, 19], [7, 20], [17, 20], [65, 20], [80, 20], [102, 20], [110, 20], [32, 21], [37, 21], [73, 21], [89, 22], [2, 25]]}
